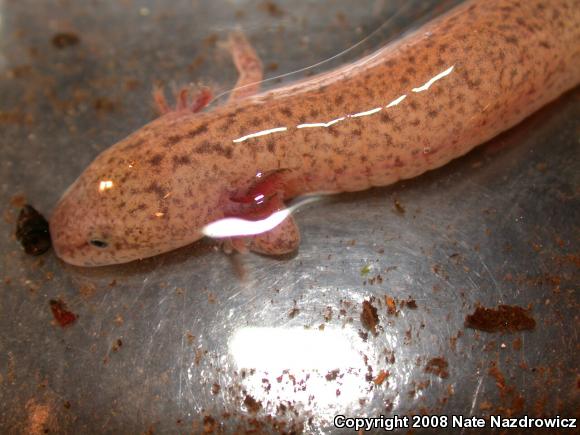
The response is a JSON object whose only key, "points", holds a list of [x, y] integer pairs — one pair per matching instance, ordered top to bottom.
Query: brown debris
{"points": [[65, 39], [32, 231], [62, 316], [369, 317], [505, 318], [438, 366], [332, 375], [381, 377], [252, 404]]}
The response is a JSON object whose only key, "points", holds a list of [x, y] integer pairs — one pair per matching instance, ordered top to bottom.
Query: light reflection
{"points": [[434, 79], [397, 101], [393, 103], [366, 113], [322, 124], [260, 133], [105, 185], [159, 214], [235, 227], [277, 349], [323, 370]]}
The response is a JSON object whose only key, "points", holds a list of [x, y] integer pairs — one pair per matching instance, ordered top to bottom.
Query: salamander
{"points": [[407, 108]]}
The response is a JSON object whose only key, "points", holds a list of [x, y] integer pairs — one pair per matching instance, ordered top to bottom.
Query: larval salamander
{"points": [[410, 107]]}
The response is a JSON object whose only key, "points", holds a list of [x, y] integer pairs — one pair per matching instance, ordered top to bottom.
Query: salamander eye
{"points": [[98, 243]]}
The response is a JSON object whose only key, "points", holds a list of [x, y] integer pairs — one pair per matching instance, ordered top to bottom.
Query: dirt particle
{"points": [[272, 9], [65, 39], [103, 104], [18, 201], [398, 206], [32, 231], [87, 291], [391, 305], [293, 312], [61, 314], [327, 314], [369, 317], [504, 318], [117, 345], [437, 366], [332, 375], [381, 377], [252, 404], [39, 418], [210, 425]]}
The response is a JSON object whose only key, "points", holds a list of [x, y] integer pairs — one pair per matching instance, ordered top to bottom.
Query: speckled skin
{"points": [[178, 173]]}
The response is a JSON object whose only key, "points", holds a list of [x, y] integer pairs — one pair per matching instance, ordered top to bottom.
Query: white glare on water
{"points": [[235, 227]]}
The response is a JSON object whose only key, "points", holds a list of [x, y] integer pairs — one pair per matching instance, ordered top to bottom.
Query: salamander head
{"points": [[132, 202]]}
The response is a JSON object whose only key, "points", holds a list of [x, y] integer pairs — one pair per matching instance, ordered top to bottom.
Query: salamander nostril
{"points": [[98, 243]]}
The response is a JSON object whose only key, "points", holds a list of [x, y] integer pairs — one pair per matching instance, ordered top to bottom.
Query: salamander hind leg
{"points": [[248, 65]]}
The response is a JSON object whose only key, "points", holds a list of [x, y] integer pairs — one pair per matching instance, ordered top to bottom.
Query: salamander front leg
{"points": [[248, 65], [183, 101], [259, 203], [283, 239]]}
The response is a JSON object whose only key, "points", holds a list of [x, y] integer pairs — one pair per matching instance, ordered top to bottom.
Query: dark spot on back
{"points": [[511, 40], [544, 44], [338, 100], [286, 111], [386, 118], [197, 131], [333, 131], [171, 140], [134, 144], [209, 148], [155, 160], [181, 160], [155, 188], [142, 206]]}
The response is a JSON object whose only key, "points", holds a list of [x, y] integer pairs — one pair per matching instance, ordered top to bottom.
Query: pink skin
{"points": [[408, 108]]}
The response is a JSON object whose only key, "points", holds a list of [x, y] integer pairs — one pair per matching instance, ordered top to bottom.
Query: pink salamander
{"points": [[410, 107]]}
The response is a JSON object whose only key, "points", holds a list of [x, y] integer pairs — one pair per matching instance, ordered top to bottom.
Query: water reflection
{"points": [[237, 227], [278, 349], [321, 370]]}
